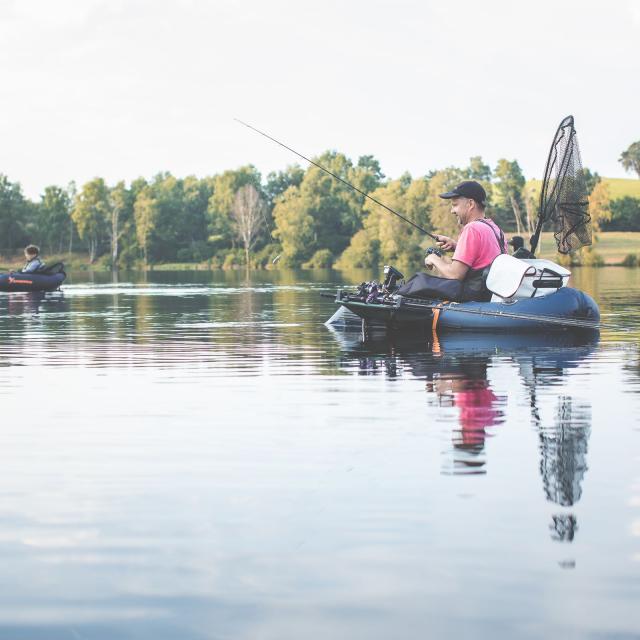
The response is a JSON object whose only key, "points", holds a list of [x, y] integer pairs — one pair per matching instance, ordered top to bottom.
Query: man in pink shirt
{"points": [[480, 240]]}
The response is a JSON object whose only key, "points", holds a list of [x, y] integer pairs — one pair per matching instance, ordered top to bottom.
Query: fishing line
{"points": [[384, 206]]}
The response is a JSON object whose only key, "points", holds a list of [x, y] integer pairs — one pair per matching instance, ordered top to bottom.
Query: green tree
{"points": [[630, 159], [478, 170], [368, 174], [590, 179], [278, 183], [225, 187], [507, 194], [600, 205], [121, 206], [327, 211], [91, 212], [145, 212], [13, 213], [625, 215], [248, 216], [54, 218], [295, 227], [193, 231], [169, 232], [385, 237]]}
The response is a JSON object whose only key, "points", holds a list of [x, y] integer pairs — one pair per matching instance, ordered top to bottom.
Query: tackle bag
{"points": [[425, 286]]}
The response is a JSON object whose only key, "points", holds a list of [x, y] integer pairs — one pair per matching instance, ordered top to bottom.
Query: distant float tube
{"points": [[31, 281]]}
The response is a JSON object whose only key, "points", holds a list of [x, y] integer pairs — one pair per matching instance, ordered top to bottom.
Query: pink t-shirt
{"points": [[478, 245]]}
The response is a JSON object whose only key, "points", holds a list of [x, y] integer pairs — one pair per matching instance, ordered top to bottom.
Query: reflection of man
{"points": [[468, 388], [477, 404]]}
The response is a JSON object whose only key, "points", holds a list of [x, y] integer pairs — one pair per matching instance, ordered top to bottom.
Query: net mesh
{"points": [[563, 199]]}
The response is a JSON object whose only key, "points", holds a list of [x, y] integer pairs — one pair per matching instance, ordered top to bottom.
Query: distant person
{"points": [[517, 243], [34, 263]]}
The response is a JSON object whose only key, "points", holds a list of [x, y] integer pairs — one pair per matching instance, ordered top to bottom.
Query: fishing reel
{"points": [[435, 251], [391, 278], [369, 290]]}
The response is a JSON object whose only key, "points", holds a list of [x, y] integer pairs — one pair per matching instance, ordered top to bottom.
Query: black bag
{"points": [[423, 285], [428, 287]]}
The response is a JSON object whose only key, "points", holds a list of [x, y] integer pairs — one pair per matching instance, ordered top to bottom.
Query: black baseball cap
{"points": [[467, 189]]}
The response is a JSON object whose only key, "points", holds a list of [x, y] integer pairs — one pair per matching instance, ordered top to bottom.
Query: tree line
{"points": [[303, 215]]}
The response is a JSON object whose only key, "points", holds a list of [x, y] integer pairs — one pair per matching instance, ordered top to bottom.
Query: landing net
{"points": [[563, 199]]}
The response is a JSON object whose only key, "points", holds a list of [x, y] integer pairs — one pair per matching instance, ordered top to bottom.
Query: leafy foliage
{"points": [[630, 159], [308, 218]]}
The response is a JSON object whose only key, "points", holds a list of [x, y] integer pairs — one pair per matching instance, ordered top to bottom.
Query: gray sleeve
{"points": [[34, 265]]}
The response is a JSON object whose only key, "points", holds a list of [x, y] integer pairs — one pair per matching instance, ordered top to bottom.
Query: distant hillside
{"points": [[618, 187], [621, 187]]}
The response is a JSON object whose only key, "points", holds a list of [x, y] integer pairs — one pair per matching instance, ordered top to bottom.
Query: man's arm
{"points": [[452, 269]]}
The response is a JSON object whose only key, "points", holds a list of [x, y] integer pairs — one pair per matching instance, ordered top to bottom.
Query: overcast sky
{"points": [[127, 88]]}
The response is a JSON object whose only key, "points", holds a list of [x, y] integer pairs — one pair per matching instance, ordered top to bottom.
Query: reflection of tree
{"points": [[564, 449]]}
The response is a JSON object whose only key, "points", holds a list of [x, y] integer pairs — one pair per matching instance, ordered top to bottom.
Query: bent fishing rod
{"points": [[384, 206]]}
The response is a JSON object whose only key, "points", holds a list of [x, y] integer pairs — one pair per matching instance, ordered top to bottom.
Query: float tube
{"points": [[48, 279], [564, 309]]}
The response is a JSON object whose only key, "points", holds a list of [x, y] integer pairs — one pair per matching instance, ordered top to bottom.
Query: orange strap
{"points": [[436, 317], [434, 325]]}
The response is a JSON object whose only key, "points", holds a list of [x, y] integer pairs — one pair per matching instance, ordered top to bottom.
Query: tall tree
{"points": [[630, 158], [478, 170], [368, 174], [590, 179], [278, 183], [225, 187], [507, 192], [121, 205], [600, 205], [13, 210], [322, 210], [91, 213], [248, 214], [146, 217], [54, 218], [295, 227], [193, 232], [386, 238]]}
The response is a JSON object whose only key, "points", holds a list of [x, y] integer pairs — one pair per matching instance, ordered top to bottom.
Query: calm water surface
{"points": [[196, 456]]}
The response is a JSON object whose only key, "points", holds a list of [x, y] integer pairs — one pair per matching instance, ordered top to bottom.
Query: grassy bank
{"points": [[612, 248]]}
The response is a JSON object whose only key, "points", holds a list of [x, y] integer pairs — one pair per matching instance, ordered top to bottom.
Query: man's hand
{"points": [[446, 243], [428, 261], [452, 269]]}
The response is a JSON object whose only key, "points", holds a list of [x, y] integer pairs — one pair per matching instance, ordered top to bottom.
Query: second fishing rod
{"points": [[366, 195]]}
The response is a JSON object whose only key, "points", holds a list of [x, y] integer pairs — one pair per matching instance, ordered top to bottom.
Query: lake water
{"points": [[196, 456]]}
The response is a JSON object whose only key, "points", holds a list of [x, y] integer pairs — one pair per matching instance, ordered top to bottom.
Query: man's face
{"points": [[460, 207]]}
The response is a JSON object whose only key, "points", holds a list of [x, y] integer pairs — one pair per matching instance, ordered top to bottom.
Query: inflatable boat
{"points": [[48, 279], [526, 297], [561, 310]]}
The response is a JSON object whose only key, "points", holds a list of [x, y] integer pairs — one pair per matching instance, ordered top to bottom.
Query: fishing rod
{"points": [[384, 206]]}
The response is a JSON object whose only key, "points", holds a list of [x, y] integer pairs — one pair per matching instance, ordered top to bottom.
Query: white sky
{"points": [[121, 88]]}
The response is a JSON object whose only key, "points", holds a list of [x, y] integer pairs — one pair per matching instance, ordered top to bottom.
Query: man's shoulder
{"points": [[484, 222]]}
